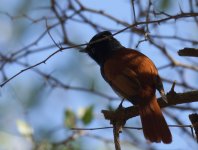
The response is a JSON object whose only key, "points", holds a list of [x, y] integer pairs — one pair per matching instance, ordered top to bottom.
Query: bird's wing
{"points": [[132, 74], [122, 79], [126, 83]]}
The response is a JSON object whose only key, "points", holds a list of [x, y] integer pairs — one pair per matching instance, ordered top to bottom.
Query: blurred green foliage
{"points": [[163, 5], [88, 115], [70, 118], [71, 145]]}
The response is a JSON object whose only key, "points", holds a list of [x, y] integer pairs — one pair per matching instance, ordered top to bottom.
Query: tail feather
{"points": [[154, 125]]}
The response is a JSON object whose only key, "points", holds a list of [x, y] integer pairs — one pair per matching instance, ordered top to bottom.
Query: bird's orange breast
{"points": [[131, 74]]}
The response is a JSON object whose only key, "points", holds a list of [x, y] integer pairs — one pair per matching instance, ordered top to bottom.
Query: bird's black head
{"points": [[101, 46]]}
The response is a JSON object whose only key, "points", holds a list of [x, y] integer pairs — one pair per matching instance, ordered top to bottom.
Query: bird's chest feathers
{"points": [[129, 75]]}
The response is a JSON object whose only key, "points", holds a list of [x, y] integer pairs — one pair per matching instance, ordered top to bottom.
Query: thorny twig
{"points": [[145, 26]]}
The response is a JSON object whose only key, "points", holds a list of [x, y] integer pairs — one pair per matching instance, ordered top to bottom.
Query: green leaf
{"points": [[164, 4], [88, 115], [70, 118]]}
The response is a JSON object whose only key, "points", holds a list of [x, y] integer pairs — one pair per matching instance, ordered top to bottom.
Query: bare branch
{"points": [[192, 52], [173, 99], [194, 120]]}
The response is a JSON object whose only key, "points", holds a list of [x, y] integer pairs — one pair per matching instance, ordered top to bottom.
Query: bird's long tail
{"points": [[154, 125]]}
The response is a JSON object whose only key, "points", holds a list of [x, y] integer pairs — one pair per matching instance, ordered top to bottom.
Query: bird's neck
{"points": [[115, 45], [106, 52]]}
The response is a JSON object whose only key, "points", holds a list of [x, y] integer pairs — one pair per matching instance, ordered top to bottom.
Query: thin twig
{"points": [[192, 52]]}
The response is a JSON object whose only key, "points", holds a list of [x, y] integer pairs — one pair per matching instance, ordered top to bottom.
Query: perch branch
{"points": [[192, 52], [173, 99]]}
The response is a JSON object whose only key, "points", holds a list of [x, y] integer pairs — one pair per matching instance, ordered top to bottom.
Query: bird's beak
{"points": [[85, 50]]}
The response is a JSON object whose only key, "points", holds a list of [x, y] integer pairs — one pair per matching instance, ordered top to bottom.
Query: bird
{"points": [[134, 77]]}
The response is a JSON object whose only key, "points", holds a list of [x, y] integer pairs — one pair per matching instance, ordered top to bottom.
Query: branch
{"points": [[182, 15], [192, 52], [41, 62], [173, 99], [194, 120], [116, 134]]}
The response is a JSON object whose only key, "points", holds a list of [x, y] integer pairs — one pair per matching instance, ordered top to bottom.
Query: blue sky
{"points": [[77, 69]]}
